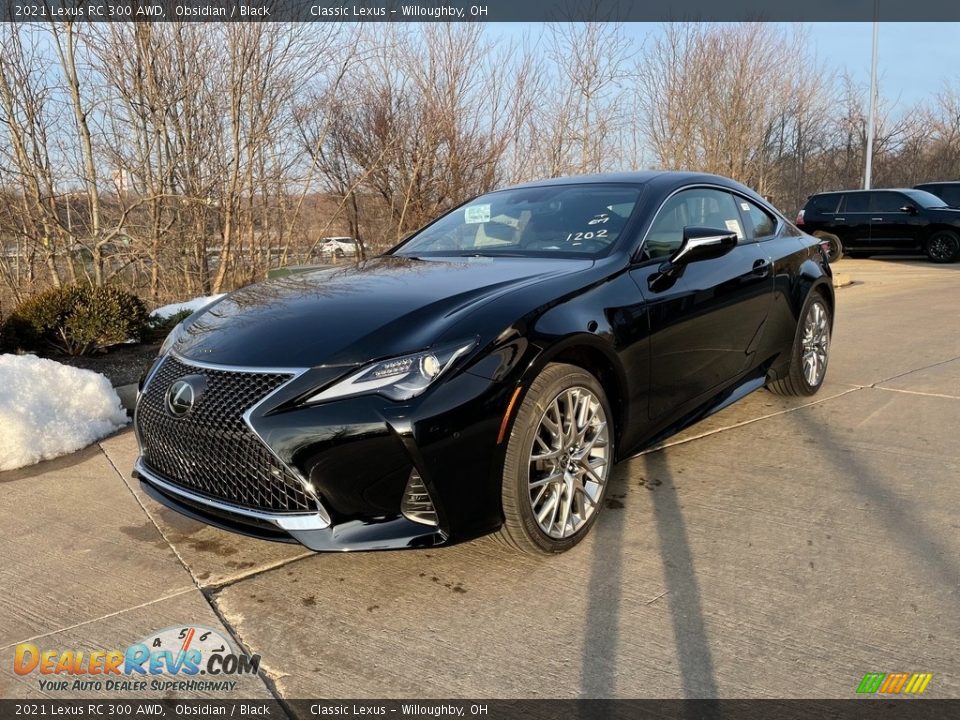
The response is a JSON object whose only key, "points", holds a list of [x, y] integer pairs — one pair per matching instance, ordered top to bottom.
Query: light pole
{"points": [[872, 116]]}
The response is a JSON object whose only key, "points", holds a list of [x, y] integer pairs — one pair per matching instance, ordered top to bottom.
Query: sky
{"points": [[915, 59]]}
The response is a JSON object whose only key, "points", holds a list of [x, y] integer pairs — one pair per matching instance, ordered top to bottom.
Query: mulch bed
{"points": [[122, 364]]}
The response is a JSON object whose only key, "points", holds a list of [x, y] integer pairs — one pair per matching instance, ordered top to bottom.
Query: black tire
{"points": [[943, 246], [835, 247], [338, 253], [796, 383], [520, 529]]}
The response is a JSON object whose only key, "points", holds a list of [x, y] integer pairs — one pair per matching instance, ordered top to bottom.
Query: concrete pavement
{"points": [[781, 548]]}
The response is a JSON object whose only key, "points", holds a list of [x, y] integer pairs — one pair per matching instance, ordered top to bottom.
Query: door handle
{"points": [[840, 219], [876, 219], [761, 267]]}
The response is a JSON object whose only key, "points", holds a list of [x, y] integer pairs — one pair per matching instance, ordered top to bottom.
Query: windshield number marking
{"points": [[574, 237]]}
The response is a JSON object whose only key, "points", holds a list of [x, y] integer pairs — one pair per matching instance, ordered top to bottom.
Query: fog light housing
{"points": [[416, 505]]}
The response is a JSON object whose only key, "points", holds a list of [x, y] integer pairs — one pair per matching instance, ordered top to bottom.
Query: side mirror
{"points": [[910, 209], [701, 243]]}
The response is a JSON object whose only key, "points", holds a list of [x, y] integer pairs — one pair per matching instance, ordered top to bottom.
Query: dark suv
{"points": [[949, 192], [865, 222]]}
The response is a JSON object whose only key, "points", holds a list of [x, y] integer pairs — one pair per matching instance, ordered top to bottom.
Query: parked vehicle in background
{"points": [[949, 192], [860, 223], [337, 247]]}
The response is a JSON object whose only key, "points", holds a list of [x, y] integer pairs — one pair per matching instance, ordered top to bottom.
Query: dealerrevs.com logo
{"points": [[184, 658]]}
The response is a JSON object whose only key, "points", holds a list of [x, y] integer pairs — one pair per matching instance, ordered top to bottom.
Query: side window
{"points": [[886, 202], [856, 203], [824, 204], [697, 207], [764, 224]]}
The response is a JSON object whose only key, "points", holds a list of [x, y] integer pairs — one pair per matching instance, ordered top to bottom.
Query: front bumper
{"points": [[355, 456], [310, 531]]}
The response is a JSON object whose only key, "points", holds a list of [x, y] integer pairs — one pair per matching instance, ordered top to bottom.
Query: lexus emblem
{"points": [[184, 393]]}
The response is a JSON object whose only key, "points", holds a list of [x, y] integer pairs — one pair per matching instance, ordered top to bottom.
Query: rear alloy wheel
{"points": [[833, 246], [943, 246], [811, 350], [558, 461]]}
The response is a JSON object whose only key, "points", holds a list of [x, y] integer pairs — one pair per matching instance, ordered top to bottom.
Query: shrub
{"points": [[76, 319], [159, 327]]}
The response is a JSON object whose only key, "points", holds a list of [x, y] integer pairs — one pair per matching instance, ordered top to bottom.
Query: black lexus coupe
{"points": [[486, 374]]}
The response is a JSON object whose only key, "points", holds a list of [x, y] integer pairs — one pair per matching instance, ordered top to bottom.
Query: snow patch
{"points": [[198, 303], [48, 409]]}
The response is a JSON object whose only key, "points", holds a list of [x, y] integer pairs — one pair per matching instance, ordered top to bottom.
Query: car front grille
{"points": [[211, 450]]}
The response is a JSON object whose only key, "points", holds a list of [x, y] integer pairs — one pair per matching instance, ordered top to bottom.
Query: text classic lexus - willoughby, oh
{"points": [[486, 374]]}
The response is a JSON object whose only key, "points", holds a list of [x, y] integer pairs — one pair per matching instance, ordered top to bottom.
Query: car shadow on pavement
{"points": [[893, 512], [683, 589], [695, 661], [599, 666]]}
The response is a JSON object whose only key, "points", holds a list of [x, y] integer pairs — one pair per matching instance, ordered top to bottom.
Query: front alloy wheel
{"points": [[558, 461], [569, 463]]}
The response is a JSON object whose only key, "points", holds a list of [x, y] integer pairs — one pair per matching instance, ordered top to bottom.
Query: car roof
{"points": [[663, 179], [936, 182], [857, 192]]}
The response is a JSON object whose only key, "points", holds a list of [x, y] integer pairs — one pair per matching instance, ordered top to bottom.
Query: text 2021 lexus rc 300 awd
{"points": [[486, 374]]}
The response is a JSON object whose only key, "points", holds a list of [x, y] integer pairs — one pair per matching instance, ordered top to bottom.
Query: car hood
{"points": [[385, 306]]}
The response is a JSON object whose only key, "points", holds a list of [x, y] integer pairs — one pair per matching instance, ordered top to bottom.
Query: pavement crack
{"points": [[919, 369], [917, 392], [173, 549], [216, 587], [208, 591], [209, 595], [168, 596], [652, 600]]}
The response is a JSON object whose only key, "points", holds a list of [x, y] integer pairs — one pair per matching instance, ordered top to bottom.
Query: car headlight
{"points": [[172, 338], [399, 378]]}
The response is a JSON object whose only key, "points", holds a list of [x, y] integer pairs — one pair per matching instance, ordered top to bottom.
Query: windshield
{"points": [[925, 199], [558, 220]]}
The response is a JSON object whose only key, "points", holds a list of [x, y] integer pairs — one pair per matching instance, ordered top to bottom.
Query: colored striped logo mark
{"points": [[895, 683]]}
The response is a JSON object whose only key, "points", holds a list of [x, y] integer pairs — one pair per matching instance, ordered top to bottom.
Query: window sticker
{"points": [[745, 207], [476, 214], [734, 226]]}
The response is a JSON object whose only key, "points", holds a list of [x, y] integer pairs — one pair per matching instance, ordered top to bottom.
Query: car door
{"points": [[822, 214], [853, 220], [890, 226], [703, 323]]}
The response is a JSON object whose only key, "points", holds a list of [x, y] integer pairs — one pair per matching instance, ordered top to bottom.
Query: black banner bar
{"points": [[475, 10], [856, 709]]}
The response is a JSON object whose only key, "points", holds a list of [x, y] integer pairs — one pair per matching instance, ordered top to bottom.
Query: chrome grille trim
{"points": [[269, 488], [286, 521]]}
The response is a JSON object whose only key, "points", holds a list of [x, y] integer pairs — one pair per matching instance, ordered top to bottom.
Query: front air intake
{"points": [[416, 504]]}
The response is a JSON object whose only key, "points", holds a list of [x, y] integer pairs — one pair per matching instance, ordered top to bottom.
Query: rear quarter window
{"points": [[950, 195], [823, 204], [763, 223]]}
